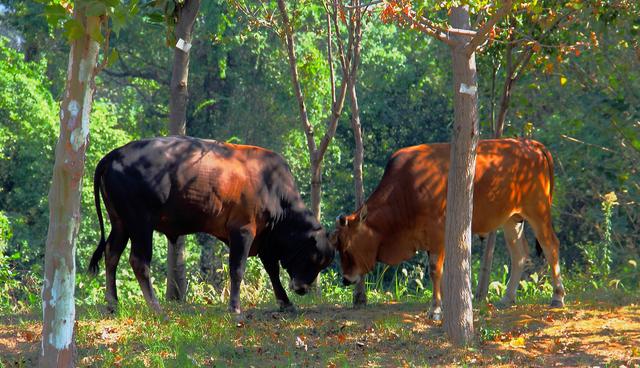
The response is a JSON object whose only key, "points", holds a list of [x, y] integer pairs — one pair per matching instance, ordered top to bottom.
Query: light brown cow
{"points": [[406, 212]]}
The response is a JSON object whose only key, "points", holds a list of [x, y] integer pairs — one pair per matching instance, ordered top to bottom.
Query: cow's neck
{"points": [[392, 235]]}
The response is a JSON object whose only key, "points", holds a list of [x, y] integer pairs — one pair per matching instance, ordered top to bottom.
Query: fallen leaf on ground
{"points": [[517, 342]]}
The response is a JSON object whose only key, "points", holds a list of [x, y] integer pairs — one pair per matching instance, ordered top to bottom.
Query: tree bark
{"points": [[186, 14], [498, 128], [358, 153], [210, 262], [485, 267], [360, 290], [58, 305], [458, 314]]}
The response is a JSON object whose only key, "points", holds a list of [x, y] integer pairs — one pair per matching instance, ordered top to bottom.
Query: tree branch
{"points": [[364, 5], [104, 20], [433, 31], [483, 32], [289, 41], [332, 77]]}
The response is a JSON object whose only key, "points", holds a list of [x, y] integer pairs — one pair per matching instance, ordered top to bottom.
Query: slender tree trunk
{"points": [[498, 127], [316, 153], [358, 153], [316, 185], [206, 243], [210, 262], [485, 267], [176, 273], [360, 290], [58, 303], [458, 314]]}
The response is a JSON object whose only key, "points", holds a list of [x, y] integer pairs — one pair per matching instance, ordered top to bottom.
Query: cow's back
{"points": [[188, 185]]}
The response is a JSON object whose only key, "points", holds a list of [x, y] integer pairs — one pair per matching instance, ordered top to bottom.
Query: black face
{"points": [[312, 254]]}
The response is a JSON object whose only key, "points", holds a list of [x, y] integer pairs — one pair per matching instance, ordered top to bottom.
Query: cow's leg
{"points": [[513, 235], [116, 243], [239, 246], [551, 248], [140, 260], [436, 262], [273, 270], [360, 293]]}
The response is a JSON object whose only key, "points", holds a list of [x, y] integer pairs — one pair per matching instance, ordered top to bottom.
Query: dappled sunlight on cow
{"points": [[243, 195], [406, 212]]}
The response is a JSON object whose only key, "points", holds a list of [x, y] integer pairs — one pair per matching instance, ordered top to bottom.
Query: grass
{"points": [[599, 327], [604, 331]]}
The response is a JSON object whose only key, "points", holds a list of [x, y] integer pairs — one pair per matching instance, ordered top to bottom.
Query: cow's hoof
{"points": [[359, 300], [555, 303], [288, 308], [235, 310], [435, 316]]}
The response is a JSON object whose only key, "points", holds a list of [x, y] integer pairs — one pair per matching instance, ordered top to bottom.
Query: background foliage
{"points": [[582, 104]]}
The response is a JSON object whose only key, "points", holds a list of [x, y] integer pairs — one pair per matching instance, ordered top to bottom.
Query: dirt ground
{"points": [[580, 335]]}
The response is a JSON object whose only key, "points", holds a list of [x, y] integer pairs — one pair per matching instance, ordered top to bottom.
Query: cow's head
{"points": [[356, 244], [312, 253]]}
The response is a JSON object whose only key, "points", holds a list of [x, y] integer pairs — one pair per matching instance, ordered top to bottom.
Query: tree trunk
{"points": [[498, 127], [316, 185], [210, 262], [485, 267], [176, 275], [360, 290], [58, 303], [458, 314]]}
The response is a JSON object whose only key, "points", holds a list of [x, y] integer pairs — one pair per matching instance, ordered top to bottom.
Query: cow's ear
{"points": [[363, 213], [342, 220]]}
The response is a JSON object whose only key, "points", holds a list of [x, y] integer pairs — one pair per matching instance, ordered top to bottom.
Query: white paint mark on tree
{"points": [[183, 45], [87, 63], [70, 66], [468, 90], [74, 108], [76, 139], [45, 285], [62, 291]]}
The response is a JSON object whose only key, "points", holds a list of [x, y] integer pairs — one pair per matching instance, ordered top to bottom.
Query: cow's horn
{"points": [[363, 213], [342, 220]]}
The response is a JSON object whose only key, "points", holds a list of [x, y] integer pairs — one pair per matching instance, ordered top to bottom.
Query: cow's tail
{"points": [[549, 159], [97, 255]]}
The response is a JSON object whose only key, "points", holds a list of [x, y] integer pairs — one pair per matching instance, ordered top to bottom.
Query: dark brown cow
{"points": [[243, 195], [406, 212]]}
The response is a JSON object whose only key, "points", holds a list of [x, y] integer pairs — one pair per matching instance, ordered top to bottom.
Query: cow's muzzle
{"points": [[350, 279], [298, 288]]}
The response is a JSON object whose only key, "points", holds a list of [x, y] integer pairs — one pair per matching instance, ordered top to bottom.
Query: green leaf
{"points": [[112, 3], [170, 7], [133, 8], [96, 9], [53, 13], [155, 17], [118, 20], [73, 29], [96, 35], [113, 56]]}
